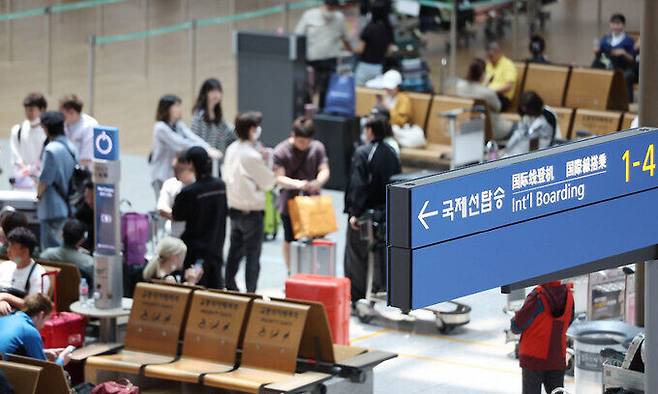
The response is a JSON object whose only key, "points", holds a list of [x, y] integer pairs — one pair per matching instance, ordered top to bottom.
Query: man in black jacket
{"points": [[372, 166], [202, 206]]}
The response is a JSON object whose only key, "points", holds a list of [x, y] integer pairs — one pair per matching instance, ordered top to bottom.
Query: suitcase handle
{"points": [[53, 281]]}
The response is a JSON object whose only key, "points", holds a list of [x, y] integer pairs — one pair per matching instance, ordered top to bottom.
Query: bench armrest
{"points": [[95, 349], [299, 383]]}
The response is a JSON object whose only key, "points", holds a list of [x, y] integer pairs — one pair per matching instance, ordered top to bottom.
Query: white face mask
{"points": [[257, 134]]}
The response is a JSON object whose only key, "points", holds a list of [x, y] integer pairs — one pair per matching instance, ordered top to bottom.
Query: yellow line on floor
{"points": [[371, 335], [471, 342], [441, 360]]}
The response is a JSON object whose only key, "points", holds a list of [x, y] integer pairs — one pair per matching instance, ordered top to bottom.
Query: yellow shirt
{"points": [[502, 74], [401, 113]]}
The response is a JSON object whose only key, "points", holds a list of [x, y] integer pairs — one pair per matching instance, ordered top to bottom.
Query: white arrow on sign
{"points": [[422, 215]]}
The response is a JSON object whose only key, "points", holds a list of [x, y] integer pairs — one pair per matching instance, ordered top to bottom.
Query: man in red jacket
{"points": [[543, 322]]}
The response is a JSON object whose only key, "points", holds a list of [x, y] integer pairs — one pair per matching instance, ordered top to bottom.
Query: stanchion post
{"points": [[286, 17], [599, 17], [100, 20], [10, 28], [515, 28], [453, 38], [146, 39], [49, 49], [193, 57], [91, 73]]}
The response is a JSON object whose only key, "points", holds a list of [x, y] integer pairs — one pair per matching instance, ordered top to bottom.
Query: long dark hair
{"points": [[379, 12], [202, 100], [166, 102]]}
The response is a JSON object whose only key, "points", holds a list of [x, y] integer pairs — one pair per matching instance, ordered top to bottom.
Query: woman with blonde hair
{"points": [[167, 264]]}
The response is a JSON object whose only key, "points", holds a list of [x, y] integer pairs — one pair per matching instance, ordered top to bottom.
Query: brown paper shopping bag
{"points": [[312, 216]]}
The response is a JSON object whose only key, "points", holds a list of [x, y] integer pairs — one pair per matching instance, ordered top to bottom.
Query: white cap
{"points": [[391, 79]]}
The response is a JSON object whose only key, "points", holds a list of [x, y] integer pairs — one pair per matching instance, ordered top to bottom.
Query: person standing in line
{"points": [[326, 35], [376, 42], [208, 117], [78, 127], [170, 136], [26, 142], [59, 160], [373, 165], [301, 166], [183, 176], [247, 177], [202, 206], [542, 321]]}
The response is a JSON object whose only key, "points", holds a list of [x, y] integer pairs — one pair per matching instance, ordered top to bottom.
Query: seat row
{"points": [[427, 110], [230, 341]]}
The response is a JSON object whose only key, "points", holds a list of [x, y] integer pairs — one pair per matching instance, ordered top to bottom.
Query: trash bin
{"points": [[590, 337]]}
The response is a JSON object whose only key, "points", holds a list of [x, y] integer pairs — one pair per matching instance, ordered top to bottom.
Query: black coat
{"points": [[372, 167], [202, 206]]}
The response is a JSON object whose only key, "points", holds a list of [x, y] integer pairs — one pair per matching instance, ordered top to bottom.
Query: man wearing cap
{"points": [[326, 35], [58, 161], [202, 206], [543, 321]]}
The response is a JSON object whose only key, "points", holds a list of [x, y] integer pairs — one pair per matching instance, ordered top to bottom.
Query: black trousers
{"points": [[323, 70], [505, 103], [246, 241], [356, 265], [212, 268], [533, 380]]}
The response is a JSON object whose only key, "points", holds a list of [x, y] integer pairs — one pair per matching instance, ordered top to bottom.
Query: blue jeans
{"points": [[366, 71], [51, 233], [246, 241]]}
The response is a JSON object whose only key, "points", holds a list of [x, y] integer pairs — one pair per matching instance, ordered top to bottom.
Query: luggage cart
{"points": [[448, 315]]}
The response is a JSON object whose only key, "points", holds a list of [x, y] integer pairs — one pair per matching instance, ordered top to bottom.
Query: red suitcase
{"points": [[333, 293], [63, 328]]}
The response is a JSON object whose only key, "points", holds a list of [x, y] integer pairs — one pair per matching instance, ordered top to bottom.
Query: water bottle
{"points": [[491, 150], [84, 291]]}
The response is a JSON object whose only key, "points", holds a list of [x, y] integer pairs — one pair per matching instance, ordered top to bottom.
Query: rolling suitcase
{"points": [[135, 232], [317, 257], [333, 293], [63, 328]]}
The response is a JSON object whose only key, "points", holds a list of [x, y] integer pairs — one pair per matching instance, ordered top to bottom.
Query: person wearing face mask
{"points": [[326, 36], [616, 50], [208, 118], [537, 123], [170, 136], [26, 142], [373, 165], [301, 166], [183, 176], [248, 176], [202, 206], [167, 264], [21, 274]]}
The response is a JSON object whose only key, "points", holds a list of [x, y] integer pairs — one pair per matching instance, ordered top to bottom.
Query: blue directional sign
{"points": [[106, 143], [519, 218]]}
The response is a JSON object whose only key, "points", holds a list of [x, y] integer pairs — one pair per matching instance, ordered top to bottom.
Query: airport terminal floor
{"points": [[463, 346]]}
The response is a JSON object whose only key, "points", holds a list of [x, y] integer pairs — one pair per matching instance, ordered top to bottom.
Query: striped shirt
{"points": [[218, 136]]}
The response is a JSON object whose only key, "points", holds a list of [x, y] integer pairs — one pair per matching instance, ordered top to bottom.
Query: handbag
{"points": [[409, 136], [312, 216], [120, 386]]}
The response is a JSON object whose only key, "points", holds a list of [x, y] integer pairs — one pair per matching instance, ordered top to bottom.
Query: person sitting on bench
{"points": [[501, 75], [537, 123], [73, 235], [167, 264], [22, 275], [20, 330]]}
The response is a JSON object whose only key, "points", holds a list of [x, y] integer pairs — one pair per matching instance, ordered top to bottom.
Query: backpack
{"points": [[76, 183]]}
